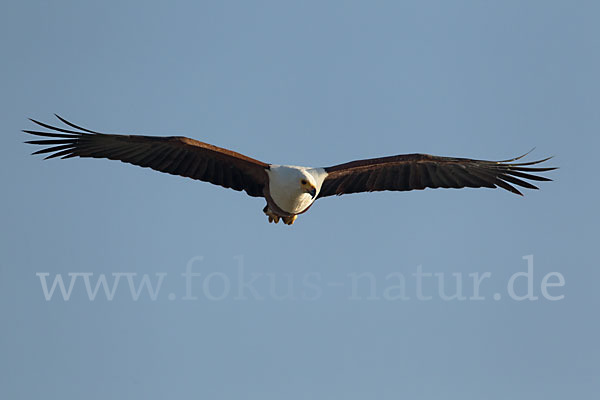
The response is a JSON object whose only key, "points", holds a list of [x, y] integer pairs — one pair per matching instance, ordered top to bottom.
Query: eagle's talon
{"points": [[273, 218], [290, 220]]}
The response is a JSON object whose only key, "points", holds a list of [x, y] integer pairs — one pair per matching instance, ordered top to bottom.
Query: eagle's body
{"points": [[288, 190], [285, 198]]}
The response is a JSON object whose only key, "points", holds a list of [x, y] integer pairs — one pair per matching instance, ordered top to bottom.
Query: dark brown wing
{"points": [[174, 155], [420, 171]]}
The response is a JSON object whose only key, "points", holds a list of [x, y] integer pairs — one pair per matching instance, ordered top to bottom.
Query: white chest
{"points": [[285, 188]]}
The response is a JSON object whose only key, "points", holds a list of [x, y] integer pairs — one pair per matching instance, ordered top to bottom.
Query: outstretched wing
{"points": [[175, 155], [420, 171]]}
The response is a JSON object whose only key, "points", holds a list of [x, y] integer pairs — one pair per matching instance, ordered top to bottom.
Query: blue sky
{"points": [[308, 83]]}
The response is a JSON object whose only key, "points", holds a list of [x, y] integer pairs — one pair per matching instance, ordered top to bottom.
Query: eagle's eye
{"points": [[303, 181]]}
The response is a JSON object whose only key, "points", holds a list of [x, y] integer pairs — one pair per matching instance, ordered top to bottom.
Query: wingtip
{"points": [[72, 125], [35, 153], [526, 154], [515, 158]]}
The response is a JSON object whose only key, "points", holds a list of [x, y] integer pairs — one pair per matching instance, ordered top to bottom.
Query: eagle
{"points": [[289, 190]]}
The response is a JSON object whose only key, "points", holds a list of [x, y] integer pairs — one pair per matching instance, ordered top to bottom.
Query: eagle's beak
{"points": [[313, 192]]}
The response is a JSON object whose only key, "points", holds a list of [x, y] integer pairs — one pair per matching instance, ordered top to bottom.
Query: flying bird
{"points": [[289, 190]]}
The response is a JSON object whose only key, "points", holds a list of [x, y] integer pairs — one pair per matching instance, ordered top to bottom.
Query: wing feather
{"points": [[175, 155], [420, 171]]}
